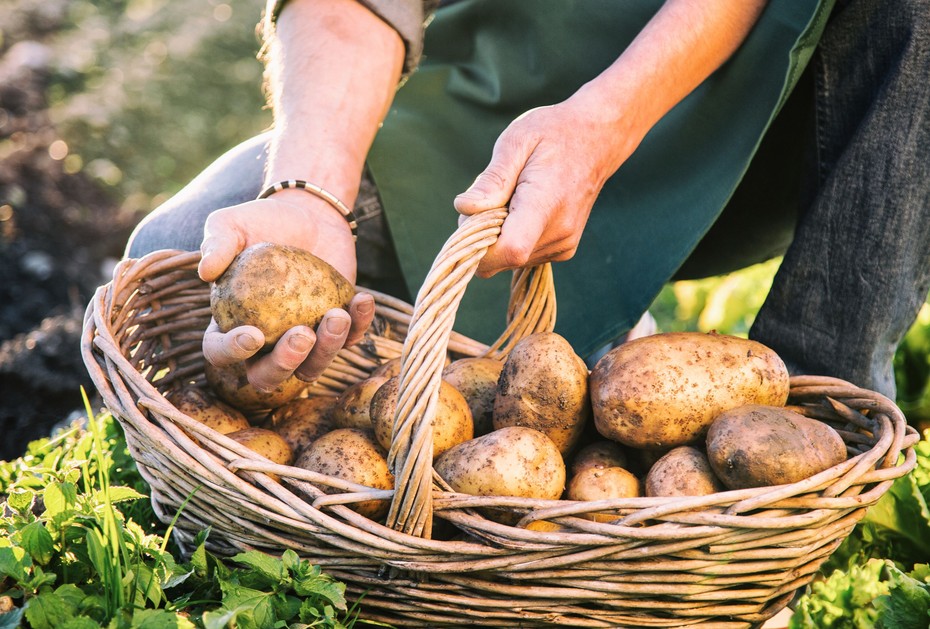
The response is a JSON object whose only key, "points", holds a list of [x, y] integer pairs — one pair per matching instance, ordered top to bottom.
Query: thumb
{"points": [[495, 185], [218, 249]]}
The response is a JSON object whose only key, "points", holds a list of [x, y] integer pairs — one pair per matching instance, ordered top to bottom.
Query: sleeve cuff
{"points": [[407, 17]]}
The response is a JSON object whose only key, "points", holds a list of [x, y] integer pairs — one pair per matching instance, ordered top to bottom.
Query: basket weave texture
{"points": [[727, 560]]}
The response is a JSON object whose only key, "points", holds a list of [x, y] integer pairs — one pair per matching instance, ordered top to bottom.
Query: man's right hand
{"points": [[295, 218]]}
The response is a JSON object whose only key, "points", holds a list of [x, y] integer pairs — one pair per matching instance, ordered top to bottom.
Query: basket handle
{"points": [[532, 309]]}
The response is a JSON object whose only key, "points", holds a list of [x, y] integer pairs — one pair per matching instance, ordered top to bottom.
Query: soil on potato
{"points": [[58, 234]]}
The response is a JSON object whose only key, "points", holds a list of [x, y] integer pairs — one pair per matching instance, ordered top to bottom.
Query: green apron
{"points": [[486, 62]]}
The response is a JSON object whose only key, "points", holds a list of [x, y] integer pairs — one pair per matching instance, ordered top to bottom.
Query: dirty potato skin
{"points": [[276, 287], [476, 379], [231, 384], [544, 385], [664, 390], [353, 408], [209, 411], [303, 420], [451, 426], [265, 442], [758, 446], [599, 454], [353, 455], [512, 461], [683, 471], [602, 484]]}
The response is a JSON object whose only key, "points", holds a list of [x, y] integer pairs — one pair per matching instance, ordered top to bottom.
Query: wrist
{"points": [[319, 205]]}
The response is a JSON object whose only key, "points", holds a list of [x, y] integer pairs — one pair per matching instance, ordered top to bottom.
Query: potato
{"points": [[276, 287], [387, 369], [476, 379], [231, 384], [544, 385], [664, 390], [353, 408], [209, 411], [303, 420], [452, 423], [265, 442], [757, 446], [599, 454], [353, 455], [511, 461], [684, 471], [602, 484]]}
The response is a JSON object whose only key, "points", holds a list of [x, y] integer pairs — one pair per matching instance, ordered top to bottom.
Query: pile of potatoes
{"points": [[673, 414]]}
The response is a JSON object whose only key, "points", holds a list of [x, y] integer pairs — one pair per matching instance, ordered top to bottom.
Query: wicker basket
{"points": [[728, 560]]}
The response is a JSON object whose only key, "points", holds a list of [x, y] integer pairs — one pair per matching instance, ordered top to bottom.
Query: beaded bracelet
{"points": [[315, 190]]}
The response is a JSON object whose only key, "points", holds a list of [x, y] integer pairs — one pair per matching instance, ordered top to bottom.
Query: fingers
{"points": [[495, 185], [221, 244], [362, 312], [330, 338], [223, 349], [291, 350]]}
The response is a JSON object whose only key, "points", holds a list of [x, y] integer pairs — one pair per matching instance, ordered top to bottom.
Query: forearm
{"points": [[685, 42], [332, 71]]}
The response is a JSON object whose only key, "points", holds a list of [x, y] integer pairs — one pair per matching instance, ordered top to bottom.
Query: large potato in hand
{"points": [[276, 287], [544, 386], [664, 390], [758, 446]]}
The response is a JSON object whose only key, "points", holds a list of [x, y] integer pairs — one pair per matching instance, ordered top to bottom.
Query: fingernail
{"points": [[471, 195], [366, 307], [337, 326], [247, 343], [299, 343]]}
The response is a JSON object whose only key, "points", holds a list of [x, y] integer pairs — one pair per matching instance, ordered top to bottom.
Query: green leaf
{"points": [[117, 494], [59, 497], [21, 500], [903, 513], [37, 541], [15, 563], [271, 568], [323, 586], [71, 594], [842, 601], [262, 606], [906, 606], [49, 611], [160, 619], [220, 619], [81, 622]]}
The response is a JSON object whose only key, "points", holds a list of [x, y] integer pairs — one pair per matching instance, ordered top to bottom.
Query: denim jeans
{"points": [[858, 267]]}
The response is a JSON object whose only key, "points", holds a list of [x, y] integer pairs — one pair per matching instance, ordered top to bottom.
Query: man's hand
{"points": [[550, 164], [297, 219]]}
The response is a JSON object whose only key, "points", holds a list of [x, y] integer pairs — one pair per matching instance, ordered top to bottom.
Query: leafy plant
{"points": [[73, 557], [879, 577]]}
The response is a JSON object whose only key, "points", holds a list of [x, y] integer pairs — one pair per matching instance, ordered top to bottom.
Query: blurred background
{"points": [[108, 107]]}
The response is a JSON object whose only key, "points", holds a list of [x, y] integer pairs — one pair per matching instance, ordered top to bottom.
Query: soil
{"points": [[59, 235]]}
